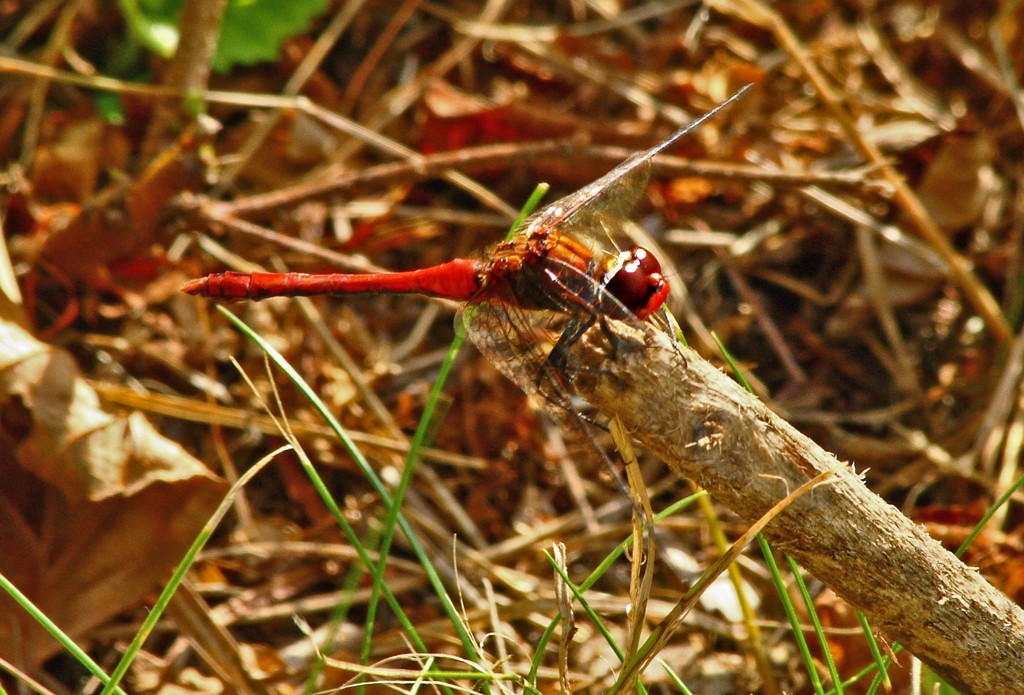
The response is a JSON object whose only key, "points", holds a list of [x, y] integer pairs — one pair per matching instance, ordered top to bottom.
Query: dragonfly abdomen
{"points": [[458, 279]]}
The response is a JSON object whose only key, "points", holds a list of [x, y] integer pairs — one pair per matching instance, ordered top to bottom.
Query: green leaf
{"points": [[153, 23], [252, 30]]}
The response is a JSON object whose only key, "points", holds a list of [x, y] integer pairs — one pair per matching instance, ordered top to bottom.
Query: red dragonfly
{"points": [[534, 295]]}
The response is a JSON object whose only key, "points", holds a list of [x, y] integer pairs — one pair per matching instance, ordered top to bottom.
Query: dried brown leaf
{"points": [[96, 508]]}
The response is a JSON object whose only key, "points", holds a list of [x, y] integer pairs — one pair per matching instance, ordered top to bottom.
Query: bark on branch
{"points": [[706, 427]]}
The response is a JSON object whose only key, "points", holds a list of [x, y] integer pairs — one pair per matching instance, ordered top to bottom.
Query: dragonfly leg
{"points": [[576, 327], [613, 340], [617, 342], [558, 358]]}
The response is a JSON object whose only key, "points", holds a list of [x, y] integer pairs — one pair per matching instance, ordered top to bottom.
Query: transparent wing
{"points": [[602, 205], [598, 209], [519, 340]]}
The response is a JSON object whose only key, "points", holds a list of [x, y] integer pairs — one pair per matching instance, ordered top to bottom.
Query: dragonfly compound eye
{"points": [[645, 260], [638, 283]]}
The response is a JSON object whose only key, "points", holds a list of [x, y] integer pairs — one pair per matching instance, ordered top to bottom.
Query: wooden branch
{"points": [[707, 428]]}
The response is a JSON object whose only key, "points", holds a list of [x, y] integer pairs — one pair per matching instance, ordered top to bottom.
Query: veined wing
{"points": [[613, 196], [515, 339], [519, 340]]}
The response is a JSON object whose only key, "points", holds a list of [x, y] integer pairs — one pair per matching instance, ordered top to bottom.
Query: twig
{"points": [[58, 40], [189, 69], [357, 82], [508, 154], [706, 427]]}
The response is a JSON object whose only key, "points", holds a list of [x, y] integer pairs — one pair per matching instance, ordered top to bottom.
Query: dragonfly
{"points": [[530, 299]]}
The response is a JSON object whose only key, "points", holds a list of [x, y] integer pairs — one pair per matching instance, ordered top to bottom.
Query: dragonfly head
{"points": [[637, 282]]}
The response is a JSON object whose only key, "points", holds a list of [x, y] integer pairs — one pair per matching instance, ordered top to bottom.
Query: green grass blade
{"points": [[528, 207], [419, 440], [375, 481], [1003, 499], [179, 573], [595, 575], [353, 578], [594, 617], [794, 620], [51, 627], [881, 662], [837, 684]]}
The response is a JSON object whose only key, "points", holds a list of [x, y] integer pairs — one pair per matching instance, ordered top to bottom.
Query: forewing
{"points": [[600, 207], [598, 210]]}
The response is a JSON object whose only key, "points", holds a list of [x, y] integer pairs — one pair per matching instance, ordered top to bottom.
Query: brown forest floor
{"points": [[830, 288]]}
